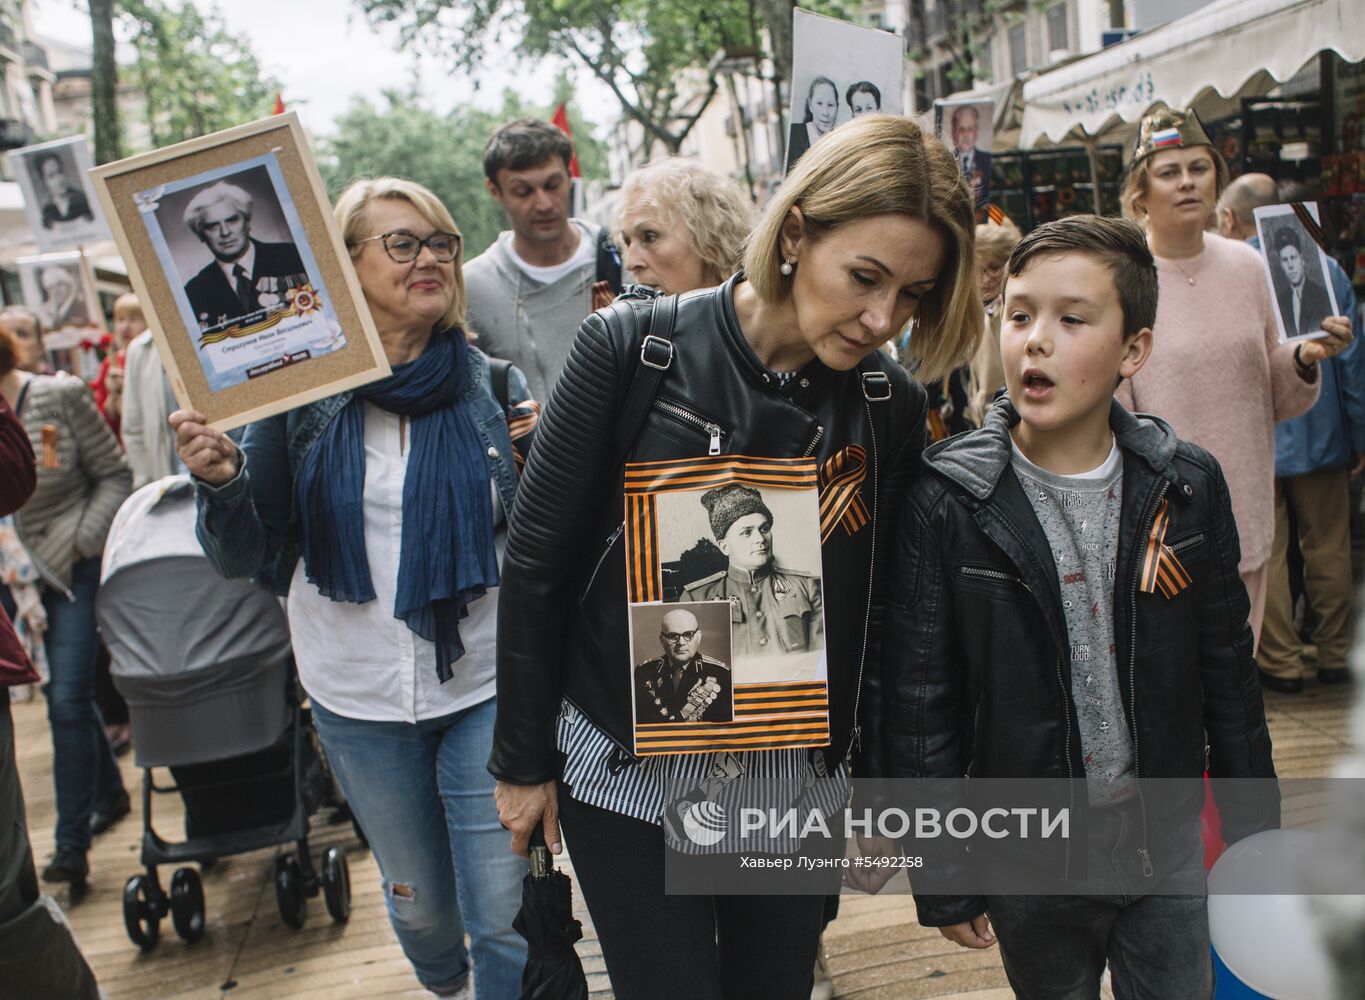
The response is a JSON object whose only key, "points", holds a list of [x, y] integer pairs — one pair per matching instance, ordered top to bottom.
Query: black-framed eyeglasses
{"points": [[403, 247], [673, 638]]}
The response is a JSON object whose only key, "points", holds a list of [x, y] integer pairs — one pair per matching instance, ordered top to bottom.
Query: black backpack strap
{"points": [[608, 261], [656, 355], [498, 373], [877, 391]]}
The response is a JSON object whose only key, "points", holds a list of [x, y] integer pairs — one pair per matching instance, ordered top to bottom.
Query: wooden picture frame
{"points": [[189, 217], [59, 220]]}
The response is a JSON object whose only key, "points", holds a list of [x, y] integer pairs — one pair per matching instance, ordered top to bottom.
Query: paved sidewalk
{"points": [[874, 951]]}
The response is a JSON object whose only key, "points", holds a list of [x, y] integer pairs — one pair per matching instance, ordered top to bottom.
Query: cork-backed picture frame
{"points": [[242, 273]]}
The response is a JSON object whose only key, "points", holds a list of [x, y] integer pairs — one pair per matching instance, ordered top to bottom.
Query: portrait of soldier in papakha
{"points": [[772, 610], [682, 685]]}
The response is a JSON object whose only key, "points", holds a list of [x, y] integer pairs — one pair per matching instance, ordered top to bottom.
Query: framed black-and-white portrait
{"points": [[840, 71], [967, 127], [59, 196], [240, 267], [1296, 267], [60, 289], [682, 655]]}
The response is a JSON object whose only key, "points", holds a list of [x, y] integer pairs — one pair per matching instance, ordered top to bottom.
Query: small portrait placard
{"points": [[840, 71], [967, 127], [59, 196], [1296, 267], [242, 272], [60, 289], [724, 576]]}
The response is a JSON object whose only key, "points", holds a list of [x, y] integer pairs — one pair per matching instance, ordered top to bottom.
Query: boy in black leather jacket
{"points": [[1066, 605]]}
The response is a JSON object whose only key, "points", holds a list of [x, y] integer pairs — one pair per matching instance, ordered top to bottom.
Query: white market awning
{"points": [[1221, 47]]}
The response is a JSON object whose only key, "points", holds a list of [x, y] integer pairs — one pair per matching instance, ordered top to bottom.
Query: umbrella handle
{"points": [[541, 865]]}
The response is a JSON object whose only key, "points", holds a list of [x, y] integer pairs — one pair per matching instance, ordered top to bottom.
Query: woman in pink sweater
{"points": [[1217, 373]]}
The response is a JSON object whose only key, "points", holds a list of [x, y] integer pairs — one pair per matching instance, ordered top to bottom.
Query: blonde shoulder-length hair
{"points": [[883, 165], [714, 213], [352, 216]]}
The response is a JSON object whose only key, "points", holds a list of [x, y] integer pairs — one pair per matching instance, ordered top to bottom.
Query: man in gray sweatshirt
{"points": [[531, 289]]}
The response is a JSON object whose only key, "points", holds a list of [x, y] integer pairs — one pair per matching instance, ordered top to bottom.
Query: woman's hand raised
{"points": [[1337, 340], [209, 454]]}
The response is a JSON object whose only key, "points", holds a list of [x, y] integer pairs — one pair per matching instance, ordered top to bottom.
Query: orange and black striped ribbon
{"points": [[995, 214], [1309, 223], [521, 421], [49, 441], [841, 502], [642, 549], [1162, 571]]}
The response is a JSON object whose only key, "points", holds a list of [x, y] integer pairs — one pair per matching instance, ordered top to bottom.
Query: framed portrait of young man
{"points": [[59, 196], [242, 272]]}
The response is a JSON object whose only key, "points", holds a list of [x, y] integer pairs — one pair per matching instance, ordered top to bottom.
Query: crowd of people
{"points": [[458, 597]]}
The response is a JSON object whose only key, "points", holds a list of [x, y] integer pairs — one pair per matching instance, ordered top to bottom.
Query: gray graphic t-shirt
{"points": [[1080, 517]]}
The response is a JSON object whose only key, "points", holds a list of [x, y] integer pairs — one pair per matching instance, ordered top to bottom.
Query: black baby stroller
{"points": [[205, 666]]}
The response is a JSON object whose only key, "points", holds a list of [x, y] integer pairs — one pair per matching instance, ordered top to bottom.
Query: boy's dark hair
{"points": [[523, 144], [1118, 244]]}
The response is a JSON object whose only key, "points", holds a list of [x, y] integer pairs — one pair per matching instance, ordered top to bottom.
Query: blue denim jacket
{"points": [[1326, 436], [250, 526]]}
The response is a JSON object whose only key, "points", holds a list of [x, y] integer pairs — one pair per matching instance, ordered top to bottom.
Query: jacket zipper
{"points": [[711, 429], [819, 433], [611, 543], [1186, 543], [989, 574], [47, 575], [976, 730], [855, 738], [1070, 775], [1143, 852]]}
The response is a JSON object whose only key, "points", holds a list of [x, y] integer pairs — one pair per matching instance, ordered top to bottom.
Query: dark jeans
{"points": [[83, 768], [1156, 946], [661, 947], [38, 957]]}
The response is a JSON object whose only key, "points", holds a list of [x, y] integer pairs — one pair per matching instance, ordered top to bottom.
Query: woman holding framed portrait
{"points": [[779, 365], [381, 512]]}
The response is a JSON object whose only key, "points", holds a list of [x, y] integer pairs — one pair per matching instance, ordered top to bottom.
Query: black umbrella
{"points": [[546, 921]]}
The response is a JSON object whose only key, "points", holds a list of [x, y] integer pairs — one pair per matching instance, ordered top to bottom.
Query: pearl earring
{"points": [[786, 267]]}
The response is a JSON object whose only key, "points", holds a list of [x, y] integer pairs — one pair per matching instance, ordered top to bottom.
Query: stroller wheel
{"points": [[336, 884], [291, 896], [187, 904], [140, 914]]}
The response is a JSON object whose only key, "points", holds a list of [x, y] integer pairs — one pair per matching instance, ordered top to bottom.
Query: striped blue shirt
{"points": [[662, 789]]}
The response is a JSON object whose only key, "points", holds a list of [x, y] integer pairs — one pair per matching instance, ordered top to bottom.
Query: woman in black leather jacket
{"points": [[873, 229]]}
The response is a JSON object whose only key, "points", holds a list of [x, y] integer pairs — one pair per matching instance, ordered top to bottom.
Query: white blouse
{"points": [[358, 660]]}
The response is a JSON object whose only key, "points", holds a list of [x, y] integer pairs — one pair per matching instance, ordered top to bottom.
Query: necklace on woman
{"points": [[1188, 276]]}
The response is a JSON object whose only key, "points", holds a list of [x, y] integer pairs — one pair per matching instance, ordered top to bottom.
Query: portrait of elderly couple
{"points": [[741, 608]]}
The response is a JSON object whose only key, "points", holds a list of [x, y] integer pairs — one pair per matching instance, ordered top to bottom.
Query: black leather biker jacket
{"points": [[562, 620]]}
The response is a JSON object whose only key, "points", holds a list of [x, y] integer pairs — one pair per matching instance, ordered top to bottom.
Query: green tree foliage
{"points": [[654, 55], [197, 76], [405, 138]]}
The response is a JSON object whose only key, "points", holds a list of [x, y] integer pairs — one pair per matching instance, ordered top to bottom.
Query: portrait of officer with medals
{"points": [[773, 610], [682, 685]]}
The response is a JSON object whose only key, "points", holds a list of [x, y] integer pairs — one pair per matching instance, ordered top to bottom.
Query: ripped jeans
{"points": [[424, 797]]}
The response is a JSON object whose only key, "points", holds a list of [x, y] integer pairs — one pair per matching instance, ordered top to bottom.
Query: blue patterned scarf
{"points": [[447, 557]]}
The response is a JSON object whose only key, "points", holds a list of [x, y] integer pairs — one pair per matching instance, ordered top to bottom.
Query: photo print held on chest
{"points": [[723, 571]]}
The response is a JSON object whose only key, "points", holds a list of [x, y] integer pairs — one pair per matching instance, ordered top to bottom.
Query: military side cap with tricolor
{"points": [[1168, 128]]}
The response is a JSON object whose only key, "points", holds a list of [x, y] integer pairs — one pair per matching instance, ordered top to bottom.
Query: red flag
{"points": [[279, 104], [561, 122]]}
